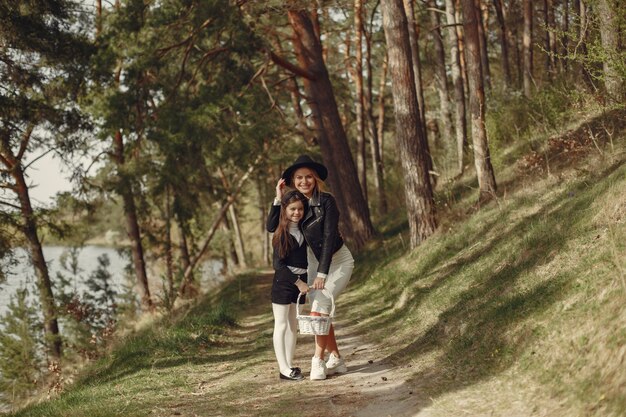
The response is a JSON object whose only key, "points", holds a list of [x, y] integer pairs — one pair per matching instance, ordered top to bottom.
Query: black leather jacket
{"points": [[320, 228]]}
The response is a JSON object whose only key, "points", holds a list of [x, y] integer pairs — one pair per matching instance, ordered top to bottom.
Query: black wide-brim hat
{"points": [[305, 161]]}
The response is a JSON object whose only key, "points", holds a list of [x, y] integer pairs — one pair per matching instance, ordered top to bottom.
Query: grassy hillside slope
{"points": [[514, 308]]}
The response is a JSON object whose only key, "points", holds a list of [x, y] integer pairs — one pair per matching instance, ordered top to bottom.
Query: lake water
{"points": [[23, 274]]}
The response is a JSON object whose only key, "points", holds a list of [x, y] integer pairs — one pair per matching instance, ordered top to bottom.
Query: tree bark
{"points": [[547, 4], [582, 9], [98, 17], [413, 30], [609, 35], [552, 36], [461, 37], [565, 37], [482, 40], [516, 40], [504, 44], [527, 47], [417, 65], [441, 78], [360, 102], [460, 120], [380, 126], [374, 134], [410, 140], [482, 159], [355, 222], [132, 225], [236, 230], [239, 246], [229, 253], [266, 255], [169, 261], [187, 288], [46, 295]]}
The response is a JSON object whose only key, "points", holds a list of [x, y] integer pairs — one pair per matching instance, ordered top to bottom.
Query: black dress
{"points": [[284, 289]]}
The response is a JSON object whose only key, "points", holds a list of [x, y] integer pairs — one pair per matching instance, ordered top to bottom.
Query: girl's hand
{"points": [[280, 188], [318, 284], [302, 286]]}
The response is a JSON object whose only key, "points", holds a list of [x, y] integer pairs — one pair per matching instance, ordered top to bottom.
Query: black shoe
{"points": [[297, 370], [293, 376]]}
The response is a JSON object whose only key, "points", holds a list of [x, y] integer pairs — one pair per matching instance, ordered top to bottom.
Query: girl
{"points": [[290, 276]]}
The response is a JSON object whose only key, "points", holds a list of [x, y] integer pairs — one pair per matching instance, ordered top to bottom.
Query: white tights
{"points": [[285, 335]]}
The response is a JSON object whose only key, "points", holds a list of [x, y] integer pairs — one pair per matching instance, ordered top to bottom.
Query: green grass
{"points": [[532, 284]]}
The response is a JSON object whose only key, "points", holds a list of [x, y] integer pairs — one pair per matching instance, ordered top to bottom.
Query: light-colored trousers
{"points": [[341, 267]]}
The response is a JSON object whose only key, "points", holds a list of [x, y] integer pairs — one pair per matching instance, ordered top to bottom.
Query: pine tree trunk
{"points": [[582, 9], [98, 17], [609, 35], [552, 36], [461, 37], [565, 37], [482, 40], [516, 41], [546, 41], [504, 44], [527, 47], [417, 66], [441, 78], [360, 102], [460, 120], [380, 126], [374, 135], [410, 140], [482, 160], [355, 222], [132, 225], [238, 237], [230, 254], [266, 256], [169, 261], [187, 287], [46, 296]]}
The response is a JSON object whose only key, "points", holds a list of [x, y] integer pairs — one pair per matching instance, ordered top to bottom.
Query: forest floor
{"points": [[245, 382], [372, 387]]}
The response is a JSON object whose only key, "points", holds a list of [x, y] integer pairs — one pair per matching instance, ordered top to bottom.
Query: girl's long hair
{"points": [[281, 241]]}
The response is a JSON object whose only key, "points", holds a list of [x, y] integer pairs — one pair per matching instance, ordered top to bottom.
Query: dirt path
{"points": [[245, 382], [370, 388]]}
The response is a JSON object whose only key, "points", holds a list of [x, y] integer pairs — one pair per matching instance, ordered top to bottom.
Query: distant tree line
{"points": [[191, 108]]}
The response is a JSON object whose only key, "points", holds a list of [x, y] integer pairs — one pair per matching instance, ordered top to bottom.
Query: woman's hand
{"points": [[280, 188], [318, 284], [302, 286]]}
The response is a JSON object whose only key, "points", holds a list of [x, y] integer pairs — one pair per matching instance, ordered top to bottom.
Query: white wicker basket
{"points": [[317, 325]]}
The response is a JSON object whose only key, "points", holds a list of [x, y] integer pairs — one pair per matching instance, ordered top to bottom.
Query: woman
{"points": [[330, 262], [290, 263]]}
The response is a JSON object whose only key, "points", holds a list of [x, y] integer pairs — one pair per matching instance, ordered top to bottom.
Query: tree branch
{"points": [[291, 67], [24, 142], [4, 203]]}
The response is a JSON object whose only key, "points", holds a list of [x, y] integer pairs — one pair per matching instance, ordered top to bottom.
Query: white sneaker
{"points": [[335, 365], [318, 369]]}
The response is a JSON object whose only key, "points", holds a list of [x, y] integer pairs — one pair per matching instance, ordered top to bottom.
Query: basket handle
{"points": [[325, 291]]}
